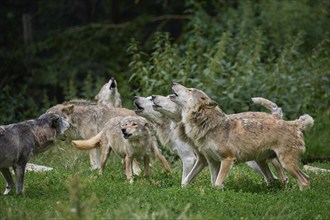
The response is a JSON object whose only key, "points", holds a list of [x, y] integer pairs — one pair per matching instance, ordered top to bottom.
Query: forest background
{"points": [[52, 51]]}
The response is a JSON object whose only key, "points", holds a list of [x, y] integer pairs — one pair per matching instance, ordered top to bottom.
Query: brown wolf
{"points": [[128, 137], [243, 137], [20, 141]]}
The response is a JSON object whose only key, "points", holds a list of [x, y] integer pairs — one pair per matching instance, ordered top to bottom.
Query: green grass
{"points": [[73, 191]]}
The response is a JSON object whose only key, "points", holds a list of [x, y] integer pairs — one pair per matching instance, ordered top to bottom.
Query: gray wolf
{"points": [[109, 95], [171, 110], [86, 119], [167, 132], [128, 137], [240, 138], [20, 141]]}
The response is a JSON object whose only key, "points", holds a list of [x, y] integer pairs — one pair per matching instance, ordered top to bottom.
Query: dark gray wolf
{"points": [[240, 137], [20, 141]]}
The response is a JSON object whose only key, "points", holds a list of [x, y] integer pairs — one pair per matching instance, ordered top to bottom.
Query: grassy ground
{"points": [[73, 191]]}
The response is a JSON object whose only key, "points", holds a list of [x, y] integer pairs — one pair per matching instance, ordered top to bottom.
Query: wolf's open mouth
{"points": [[112, 85], [174, 93], [173, 96], [155, 106], [139, 107], [127, 135]]}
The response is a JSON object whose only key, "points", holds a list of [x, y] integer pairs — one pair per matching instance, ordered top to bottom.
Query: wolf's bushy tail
{"points": [[271, 106], [305, 122], [89, 143]]}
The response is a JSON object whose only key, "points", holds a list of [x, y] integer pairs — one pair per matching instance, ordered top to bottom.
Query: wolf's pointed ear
{"points": [[211, 104], [68, 109], [147, 125]]}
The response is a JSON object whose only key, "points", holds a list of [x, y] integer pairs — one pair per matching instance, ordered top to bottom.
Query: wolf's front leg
{"points": [[214, 167], [225, 167], [128, 168], [197, 168]]}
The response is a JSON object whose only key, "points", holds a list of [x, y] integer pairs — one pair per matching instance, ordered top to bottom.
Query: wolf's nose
{"points": [[174, 83]]}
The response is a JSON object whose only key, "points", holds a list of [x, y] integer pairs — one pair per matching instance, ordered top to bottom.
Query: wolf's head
{"points": [[109, 95], [191, 98], [165, 106], [144, 108], [134, 127]]}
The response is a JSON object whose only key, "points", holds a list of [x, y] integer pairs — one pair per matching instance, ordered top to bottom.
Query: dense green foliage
{"points": [[233, 51], [238, 55], [73, 191]]}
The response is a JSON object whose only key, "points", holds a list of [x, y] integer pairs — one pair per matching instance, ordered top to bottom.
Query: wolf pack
{"points": [[188, 122]]}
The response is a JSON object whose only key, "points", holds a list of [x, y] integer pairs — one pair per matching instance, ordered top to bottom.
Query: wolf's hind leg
{"points": [[105, 152], [94, 157], [146, 160], [290, 163], [269, 176], [283, 177], [10, 183]]}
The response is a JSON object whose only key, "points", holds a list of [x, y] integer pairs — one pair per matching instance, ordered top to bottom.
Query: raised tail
{"points": [[271, 106], [305, 122], [89, 143]]}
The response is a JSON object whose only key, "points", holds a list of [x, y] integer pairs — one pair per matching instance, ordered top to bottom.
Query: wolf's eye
{"points": [[203, 98], [134, 124]]}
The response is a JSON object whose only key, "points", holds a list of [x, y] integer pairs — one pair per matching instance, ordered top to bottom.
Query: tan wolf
{"points": [[171, 110], [88, 118], [128, 137], [241, 137]]}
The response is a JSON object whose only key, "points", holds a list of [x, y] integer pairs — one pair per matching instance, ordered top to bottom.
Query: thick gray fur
{"points": [[20, 141]]}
